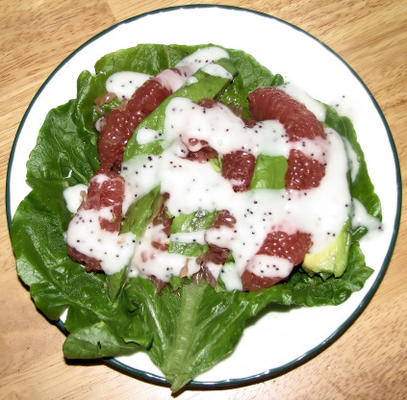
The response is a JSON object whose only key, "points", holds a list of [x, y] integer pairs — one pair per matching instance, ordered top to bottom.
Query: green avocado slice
{"points": [[333, 259]]}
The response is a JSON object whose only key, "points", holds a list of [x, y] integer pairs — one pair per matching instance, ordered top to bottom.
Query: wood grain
{"points": [[369, 361]]}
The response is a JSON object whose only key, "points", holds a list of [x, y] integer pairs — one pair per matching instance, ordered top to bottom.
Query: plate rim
{"points": [[273, 372]]}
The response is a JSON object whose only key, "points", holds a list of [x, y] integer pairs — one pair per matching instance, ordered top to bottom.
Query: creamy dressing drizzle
{"points": [[202, 57], [217, 70], [123, 84], [303, 97], [146, 135], [353, 159], [193, 185], [74, 196], [360, 217], [84, 233], [189, 237], [114, 250], [149, 261], [270, 267], [214, 269]]}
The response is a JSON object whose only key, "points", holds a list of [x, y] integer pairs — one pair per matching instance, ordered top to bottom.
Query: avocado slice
{"points": [[333, 259]]}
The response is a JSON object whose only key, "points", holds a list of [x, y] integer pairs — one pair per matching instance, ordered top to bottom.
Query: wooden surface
{"points": [[369, 361]]}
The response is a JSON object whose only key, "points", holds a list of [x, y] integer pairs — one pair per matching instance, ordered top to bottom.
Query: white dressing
{"points": [[202, 57], [217, 70], [123, 84], [303, 97], [146, 135], [353, 158], [192, 185], [74, 196], [360, 217], [189, 237], [114, 250], [153, 262], [269, 266], [214, 269], [230, 277]]}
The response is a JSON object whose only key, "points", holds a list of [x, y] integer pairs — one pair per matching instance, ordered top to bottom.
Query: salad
{"points": [[184, 190]]}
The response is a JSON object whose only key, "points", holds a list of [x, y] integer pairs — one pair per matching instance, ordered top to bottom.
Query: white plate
{"points": [[279, 340]]}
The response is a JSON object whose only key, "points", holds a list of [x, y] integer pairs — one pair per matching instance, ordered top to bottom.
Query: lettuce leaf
{"points": [[269, 172], [361, 187], [141, 212], [195, 221], [187, 249], [57, 283], [197, 326], [189, 327]]}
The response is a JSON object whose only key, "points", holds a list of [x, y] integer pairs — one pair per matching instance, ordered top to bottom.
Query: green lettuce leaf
{"points": [[145, 58], [65, 152], [216, 163], [269, 172], [361, 187], [141, 212], [199, 220], [196, 221], [187, 249], [115, 282], [57, 283], [196, 326], [189, 327], [193, 328], [96, 341]]}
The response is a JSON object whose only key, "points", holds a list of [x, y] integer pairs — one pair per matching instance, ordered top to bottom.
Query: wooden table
{"points": [[369, 361]]}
